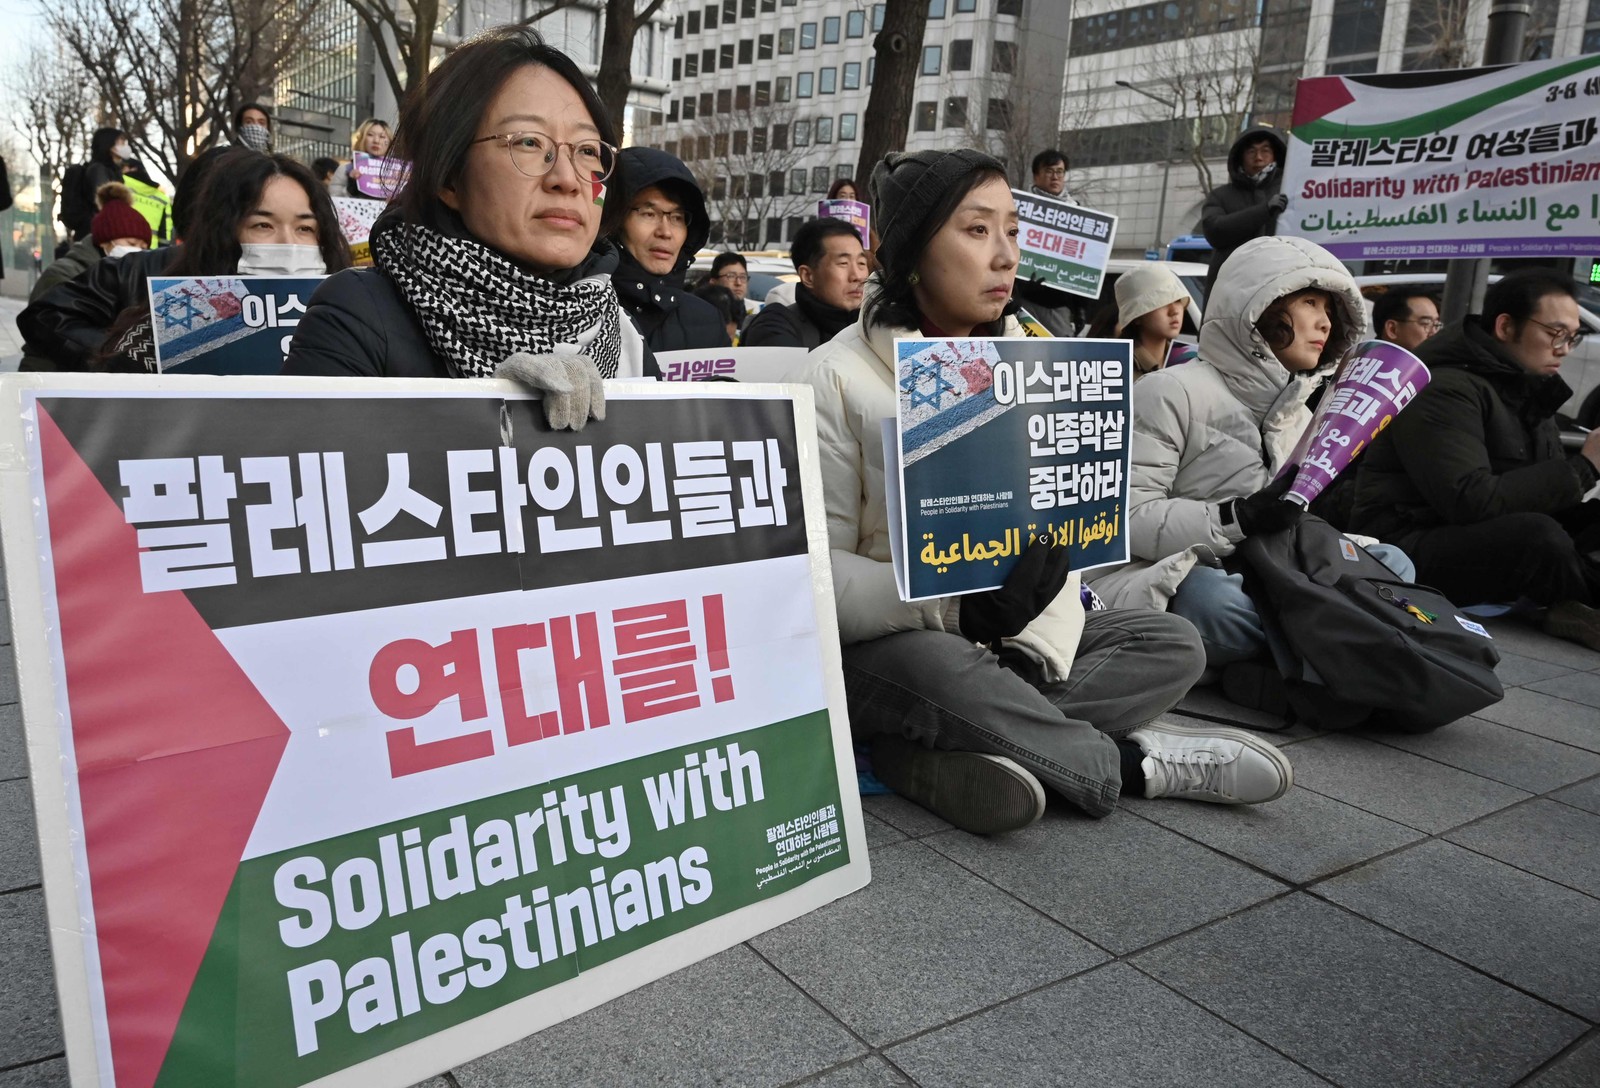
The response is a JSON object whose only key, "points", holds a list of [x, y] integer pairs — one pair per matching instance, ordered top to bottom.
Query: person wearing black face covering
{"points": [[664, 223], [833, 272]]}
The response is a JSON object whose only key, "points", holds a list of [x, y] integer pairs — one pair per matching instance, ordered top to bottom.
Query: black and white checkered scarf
{"points": [[477, 307]]}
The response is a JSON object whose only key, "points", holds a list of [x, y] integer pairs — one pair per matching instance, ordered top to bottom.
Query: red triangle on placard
{"points": [[1317, 97], [175, 750]]}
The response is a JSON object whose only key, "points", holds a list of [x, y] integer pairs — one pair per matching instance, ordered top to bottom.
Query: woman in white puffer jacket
{"points": [[1209, 437], [972, 702]]}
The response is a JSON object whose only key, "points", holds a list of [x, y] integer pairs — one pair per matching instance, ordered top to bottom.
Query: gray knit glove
{"points": [[571, 388]]}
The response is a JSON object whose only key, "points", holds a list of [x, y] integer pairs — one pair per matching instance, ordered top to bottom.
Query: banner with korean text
{"points": [[1479, 162], [1064, 245], [226, 324], [999, 442], [374, 726]]}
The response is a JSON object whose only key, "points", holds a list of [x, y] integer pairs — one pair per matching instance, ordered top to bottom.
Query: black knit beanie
{"points": [[907, 186]]}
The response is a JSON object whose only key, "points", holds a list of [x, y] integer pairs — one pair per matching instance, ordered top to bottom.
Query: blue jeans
{"points": [[1216, 603], [944, 692]]}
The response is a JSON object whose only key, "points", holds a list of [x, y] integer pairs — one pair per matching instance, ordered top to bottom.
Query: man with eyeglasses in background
{"points": [[1050, 175], [664, 225], [730, 270], [1406, 316], [1471, 479]]}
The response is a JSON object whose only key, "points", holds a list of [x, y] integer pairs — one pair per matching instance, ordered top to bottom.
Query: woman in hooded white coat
{"points": [[1209, 439], [971, 703]]}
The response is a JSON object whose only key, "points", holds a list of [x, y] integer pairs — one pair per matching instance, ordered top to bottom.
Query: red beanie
{"points": [[118, 220]]}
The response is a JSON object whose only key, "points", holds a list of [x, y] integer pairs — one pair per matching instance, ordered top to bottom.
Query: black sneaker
{"points": [[979, 793]]}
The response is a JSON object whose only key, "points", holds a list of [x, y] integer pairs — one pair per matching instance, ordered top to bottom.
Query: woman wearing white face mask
{"points": [[262, 215]]}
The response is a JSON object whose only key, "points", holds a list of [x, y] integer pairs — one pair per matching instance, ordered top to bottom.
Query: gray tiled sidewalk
{"points": [[1417, 911]]}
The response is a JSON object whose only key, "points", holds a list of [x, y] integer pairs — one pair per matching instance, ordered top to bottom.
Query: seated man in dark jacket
{"points": [[664, 226], [833, 267], [1471, 479]]}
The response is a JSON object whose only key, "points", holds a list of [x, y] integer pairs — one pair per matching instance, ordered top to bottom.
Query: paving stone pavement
{"points": [[1419, 910]]}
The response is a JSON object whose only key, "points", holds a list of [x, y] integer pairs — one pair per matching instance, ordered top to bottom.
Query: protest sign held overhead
{"points": [[1484, 162], [854, 212], [1064, 245], [226, 324], [999, 442], [378, 726]]}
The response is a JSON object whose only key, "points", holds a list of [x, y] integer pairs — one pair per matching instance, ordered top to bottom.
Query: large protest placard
{"points": [[1484, 162], [1064, 245], [226, 324], [736, 364], [999, 442], [374, 726]]}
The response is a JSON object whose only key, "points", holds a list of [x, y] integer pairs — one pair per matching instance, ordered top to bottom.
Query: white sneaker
{"points": [[1217, 764]]}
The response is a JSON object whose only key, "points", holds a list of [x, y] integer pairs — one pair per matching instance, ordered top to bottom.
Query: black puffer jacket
{"points": [[1236, 212], [667, 315], [809, 323], [68, 324], [1480, 441]]}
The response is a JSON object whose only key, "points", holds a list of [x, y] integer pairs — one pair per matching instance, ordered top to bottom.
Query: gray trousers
{"points": [[944, 692]]}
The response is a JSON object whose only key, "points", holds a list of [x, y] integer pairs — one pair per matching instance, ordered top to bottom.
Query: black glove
{"points": [[1279, 202], [1267, 511], [1032, 584]]}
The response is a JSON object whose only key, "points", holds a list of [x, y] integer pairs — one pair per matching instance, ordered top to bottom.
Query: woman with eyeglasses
{"points": [[664, 224], [489, 254]]}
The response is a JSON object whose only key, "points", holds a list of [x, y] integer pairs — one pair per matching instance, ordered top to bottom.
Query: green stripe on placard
{"points": [[1445, 116], [239, 1025]]}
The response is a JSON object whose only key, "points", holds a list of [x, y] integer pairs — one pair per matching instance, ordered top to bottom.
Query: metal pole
{"points": [[1166, 176], [1464, 281]]}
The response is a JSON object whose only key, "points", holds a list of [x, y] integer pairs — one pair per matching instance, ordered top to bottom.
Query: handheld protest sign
{"points": [[378, 176], [854, 212], [356, 217], [1063, 245], [226, 324], [737, 364], [999, 442], [374, 726]]}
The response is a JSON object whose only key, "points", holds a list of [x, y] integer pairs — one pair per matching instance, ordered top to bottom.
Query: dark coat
{"points": [[1236, 211], [667, 315], [809, 323], [68, 324], [358, 324], [1480, 441]]}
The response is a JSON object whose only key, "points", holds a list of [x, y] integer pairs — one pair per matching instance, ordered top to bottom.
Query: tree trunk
{"points": [[898, 48], [616, 59]]}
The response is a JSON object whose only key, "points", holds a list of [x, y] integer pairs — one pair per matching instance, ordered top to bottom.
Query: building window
{"points": [[769, 5], [966, 5], [1009, 7], [748, 9], [936, 9], [730, 10], [711, 17], [877, 17], [694, 22], [855, 24], [677, 28], [1356, 28], [830, 30], [808, 35], [786, 40], [764, 47], [747, 51], [961, 55], [725, 56], [1003, 58], [932, 59], [708, 61], [691, 66], [872, 68], [677, 69], [852, 76], [828, 81], [803, 85], [782, 89], [763, 93], [741, 97], [725, 100], [705, 104], [688, 109], [955, 111], [672, 112], [999, 114], [927, 116], [847, 128], [824, 130], [802, 134], [758, 139], [780, 139], [741, 142], [719, 145], [671, 147], [702, 147], [845, 171], [820, 179], [797, 180], [776, 182], [757, 185], [719, 189]]}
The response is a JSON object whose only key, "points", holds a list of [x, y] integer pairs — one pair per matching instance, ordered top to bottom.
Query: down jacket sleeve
{"points": [[1441, 442], [1160, 523], [864, 590]]}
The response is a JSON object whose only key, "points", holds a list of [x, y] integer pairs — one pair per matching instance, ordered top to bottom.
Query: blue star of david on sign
{"points": [[178, 310], [923, 373]]}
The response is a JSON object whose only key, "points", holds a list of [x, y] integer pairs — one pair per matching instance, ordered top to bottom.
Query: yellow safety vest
{"points": [[156, 207]]}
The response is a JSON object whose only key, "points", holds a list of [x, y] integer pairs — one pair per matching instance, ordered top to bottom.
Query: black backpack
{"points": [[77, 205], [1330, 604]]}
